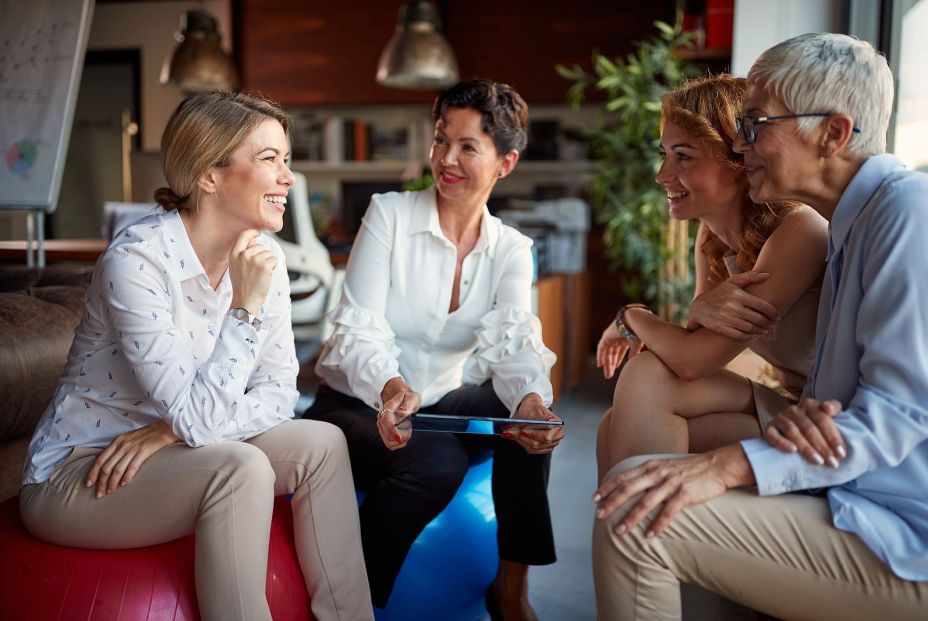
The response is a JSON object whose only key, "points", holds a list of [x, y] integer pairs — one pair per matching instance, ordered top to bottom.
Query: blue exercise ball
{"points": [[453, 561]]}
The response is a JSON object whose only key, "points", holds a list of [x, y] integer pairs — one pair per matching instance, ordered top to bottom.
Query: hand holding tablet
{"points": [[421, 421]]}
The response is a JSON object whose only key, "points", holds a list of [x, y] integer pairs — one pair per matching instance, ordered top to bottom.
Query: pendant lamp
{"points": [[417, 56], [199, 63]]}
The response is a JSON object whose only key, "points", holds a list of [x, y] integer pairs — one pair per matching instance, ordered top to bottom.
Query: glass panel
{"points": [[911, 130]]}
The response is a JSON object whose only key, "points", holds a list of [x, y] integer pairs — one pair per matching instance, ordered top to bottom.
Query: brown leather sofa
{"points": [[39, 310]]}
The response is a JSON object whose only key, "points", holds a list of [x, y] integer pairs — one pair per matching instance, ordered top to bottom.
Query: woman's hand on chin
{"points": [[250, 269], [400, 401], [535, 441], [119, 462]]}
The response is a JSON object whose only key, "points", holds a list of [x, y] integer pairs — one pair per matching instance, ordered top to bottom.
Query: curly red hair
{"points": [[707, 108]]}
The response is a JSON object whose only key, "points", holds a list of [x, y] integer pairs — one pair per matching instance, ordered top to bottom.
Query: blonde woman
{"points": [[173, 414]]}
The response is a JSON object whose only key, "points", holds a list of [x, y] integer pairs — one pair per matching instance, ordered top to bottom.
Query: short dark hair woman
{"points": [[436, 313]]}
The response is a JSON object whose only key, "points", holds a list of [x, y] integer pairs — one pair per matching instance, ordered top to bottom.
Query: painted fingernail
{"points": [[401, 409], [523, 434], [506, 435], [397, 438], [792, 448], [841, 452], [818, 459], [832, 462], [596, 497], [621, 529]]}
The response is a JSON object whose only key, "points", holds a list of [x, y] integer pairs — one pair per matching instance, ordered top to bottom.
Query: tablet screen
{"points": [[473, 424]]}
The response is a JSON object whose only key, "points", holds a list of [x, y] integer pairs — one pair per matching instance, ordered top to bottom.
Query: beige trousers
{"points": [[224, 493], [778, 554]]}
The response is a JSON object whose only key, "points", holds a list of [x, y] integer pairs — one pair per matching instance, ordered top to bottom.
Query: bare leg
{"points": [[654, 411], [603, 457], [511, 589]]}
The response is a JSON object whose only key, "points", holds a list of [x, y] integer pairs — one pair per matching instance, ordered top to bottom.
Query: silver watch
{"points": [[242, 314]]}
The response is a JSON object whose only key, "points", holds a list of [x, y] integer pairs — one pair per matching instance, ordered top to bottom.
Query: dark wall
{"points": [[326, 51]]}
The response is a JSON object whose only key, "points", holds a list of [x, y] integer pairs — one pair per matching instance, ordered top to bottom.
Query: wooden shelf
{"points": [[705, 53], [554, 166], [397, 168], [353, 169], [83, 250]]}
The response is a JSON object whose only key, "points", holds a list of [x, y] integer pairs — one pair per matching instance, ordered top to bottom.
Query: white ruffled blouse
{"points": [[393, 317]]}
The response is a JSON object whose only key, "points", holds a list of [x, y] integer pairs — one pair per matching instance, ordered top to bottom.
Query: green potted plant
{"points": [[652, 252]]}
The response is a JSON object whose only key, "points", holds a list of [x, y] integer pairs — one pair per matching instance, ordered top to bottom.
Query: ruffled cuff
{"points": [[362, 350], [510, 350]]}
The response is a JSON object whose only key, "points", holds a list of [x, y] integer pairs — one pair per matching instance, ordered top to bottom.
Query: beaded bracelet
{"points": [[620, 321]]}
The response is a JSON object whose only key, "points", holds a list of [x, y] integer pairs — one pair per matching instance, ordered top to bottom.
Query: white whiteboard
{"points": [[42, 45]]}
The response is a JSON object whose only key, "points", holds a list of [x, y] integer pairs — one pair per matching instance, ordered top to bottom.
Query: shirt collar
{"points": [[857, 195], [425, 213], [424, 219], [489, 233], [183, 262]]}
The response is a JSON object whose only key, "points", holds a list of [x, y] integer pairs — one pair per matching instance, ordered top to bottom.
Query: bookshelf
{"points": [[321, 152]]}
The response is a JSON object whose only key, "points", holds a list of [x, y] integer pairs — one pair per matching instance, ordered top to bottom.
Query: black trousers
{"points": [[407, 488]]}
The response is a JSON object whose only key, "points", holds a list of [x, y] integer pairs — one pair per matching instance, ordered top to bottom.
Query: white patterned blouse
{"points": [[156, 342]]}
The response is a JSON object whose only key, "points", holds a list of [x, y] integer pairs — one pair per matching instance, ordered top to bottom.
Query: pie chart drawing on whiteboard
{"points": [[21, 156]]}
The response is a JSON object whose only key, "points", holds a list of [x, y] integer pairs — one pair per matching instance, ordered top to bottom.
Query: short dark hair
{"points": [[504, 112]]}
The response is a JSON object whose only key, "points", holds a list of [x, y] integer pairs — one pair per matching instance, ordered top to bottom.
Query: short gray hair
{"points": [[828, 72]]}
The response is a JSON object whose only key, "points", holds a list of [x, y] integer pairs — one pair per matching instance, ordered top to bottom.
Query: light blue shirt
{"points": [[872, 356]]}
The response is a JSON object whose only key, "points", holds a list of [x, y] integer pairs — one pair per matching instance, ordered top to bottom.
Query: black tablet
{"points": [[422, 421]]}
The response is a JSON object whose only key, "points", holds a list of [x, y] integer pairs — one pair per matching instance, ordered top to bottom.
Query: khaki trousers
{"points": [[224, 493], [778, 554]]}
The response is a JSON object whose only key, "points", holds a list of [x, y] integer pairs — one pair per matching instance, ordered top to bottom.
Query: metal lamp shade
{"points": [[417, 56], [199, 63]]}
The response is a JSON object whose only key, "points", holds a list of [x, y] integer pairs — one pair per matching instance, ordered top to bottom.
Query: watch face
{"points": [[241, 314], [244, 316]]}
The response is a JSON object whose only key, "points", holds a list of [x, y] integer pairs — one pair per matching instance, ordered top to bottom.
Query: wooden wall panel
{"points": [[520, 41], [326, 51], [550, 291]]}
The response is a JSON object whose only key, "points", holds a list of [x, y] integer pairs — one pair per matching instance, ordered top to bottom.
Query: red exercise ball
{"points": [[39, 581]]}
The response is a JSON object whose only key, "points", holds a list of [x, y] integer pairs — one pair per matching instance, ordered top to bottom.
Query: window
{"points": [[909, 132]]}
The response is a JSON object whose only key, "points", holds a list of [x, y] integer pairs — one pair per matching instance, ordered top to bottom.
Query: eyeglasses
{"points": [[747, 125]]}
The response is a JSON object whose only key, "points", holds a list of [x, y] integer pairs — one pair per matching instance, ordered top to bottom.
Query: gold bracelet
{"points": [[624, 330]]}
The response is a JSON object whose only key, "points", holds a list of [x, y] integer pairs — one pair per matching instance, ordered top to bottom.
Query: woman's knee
{"points": [[644, 369], [644, 382], [604, 423], [317, 435], [245, 465]]}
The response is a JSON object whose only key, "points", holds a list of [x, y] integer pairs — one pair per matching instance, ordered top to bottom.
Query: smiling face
{"points": [[463, 158], [782, 160], [698, 185], [252, 189]]}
